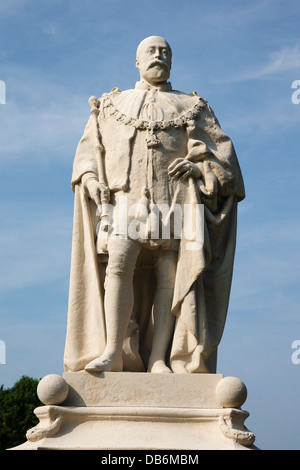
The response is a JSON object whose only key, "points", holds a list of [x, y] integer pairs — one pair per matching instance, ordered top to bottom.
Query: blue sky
{"points": [[243, 58]]}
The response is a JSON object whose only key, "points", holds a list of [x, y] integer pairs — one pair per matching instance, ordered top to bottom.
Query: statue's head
{"points": [[153, 59]]}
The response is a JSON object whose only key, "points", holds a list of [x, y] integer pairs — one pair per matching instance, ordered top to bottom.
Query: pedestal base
{"points": [[140, 411]]}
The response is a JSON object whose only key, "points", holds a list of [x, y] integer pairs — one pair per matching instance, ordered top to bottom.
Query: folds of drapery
{"points": [[203, 277]]}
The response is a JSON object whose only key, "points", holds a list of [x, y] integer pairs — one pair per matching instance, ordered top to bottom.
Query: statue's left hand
{"points": [[182, 168]]}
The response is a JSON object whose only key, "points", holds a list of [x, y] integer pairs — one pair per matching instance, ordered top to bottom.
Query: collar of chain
{"points": [[139, 123]]}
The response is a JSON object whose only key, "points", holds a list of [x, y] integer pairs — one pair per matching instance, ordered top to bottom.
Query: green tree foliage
{"points": [[16, 411]]}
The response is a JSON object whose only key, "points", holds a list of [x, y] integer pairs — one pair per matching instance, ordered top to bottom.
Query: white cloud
{"points": [[50, 29], [287, 58], [281, 61], [41, 116], [267, 117]]}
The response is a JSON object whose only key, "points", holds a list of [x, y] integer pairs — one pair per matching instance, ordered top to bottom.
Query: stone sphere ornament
{"points": [[52, 389], [231, 392]]}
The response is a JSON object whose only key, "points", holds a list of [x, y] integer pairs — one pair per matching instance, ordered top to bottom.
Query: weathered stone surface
{"points": [[149, 287], [134, 389], [138, 411]]}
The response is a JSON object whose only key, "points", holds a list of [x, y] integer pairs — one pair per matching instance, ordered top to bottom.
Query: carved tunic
{"points": [[155, 124], [142, 131]]}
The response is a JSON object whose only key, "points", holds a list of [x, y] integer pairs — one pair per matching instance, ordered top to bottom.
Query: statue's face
{"points": [[154, 60]]}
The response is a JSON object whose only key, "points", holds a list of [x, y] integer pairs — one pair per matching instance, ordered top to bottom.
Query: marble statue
{"points": [[157, 184], [148, 300]]}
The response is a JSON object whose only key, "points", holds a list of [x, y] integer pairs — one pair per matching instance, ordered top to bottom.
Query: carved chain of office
{"points": [[149, 110]]}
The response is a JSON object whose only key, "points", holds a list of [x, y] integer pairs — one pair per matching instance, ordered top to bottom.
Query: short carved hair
{"points": [[141, 44]]}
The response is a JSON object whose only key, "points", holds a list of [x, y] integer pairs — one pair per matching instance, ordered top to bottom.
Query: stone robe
{"points": [[142, 131]]}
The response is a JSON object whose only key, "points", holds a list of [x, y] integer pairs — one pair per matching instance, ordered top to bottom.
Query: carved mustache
{"points": [[157, 63]]}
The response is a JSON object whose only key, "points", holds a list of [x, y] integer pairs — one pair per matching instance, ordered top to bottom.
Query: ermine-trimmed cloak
{"points": [[141, 132]]}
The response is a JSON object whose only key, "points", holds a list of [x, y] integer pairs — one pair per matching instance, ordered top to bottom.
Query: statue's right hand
{"points": [[93, 190]]}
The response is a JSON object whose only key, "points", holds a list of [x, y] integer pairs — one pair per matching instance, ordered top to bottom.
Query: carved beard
{"points": [[156, 70]]}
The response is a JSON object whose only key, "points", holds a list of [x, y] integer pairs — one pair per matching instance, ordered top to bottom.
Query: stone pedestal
{"points": [[140, 411]]}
